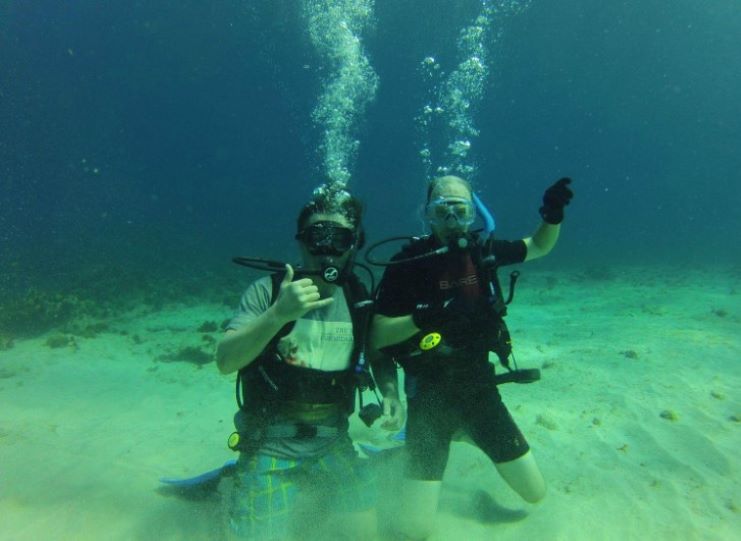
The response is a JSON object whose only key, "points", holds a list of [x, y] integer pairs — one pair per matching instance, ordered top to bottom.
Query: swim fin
{"points": [[373, 450], [200, 486]]}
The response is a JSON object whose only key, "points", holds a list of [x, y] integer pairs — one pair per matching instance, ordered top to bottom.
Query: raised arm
{"points": [[546, 235], [542, 241]]}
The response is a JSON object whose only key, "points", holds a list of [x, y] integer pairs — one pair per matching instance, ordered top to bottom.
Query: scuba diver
{"points": [[439, 313], [296, 344]]}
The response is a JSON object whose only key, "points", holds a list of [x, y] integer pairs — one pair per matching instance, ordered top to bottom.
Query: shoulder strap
{"points": [[484, 260], [275, 279], [359, 303]]}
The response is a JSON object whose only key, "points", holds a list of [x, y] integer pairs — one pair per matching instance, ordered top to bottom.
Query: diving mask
{"points": [[451, 212], [327, 238]]}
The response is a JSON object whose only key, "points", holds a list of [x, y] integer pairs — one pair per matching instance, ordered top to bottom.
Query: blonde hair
{"points": [[447, 179]]}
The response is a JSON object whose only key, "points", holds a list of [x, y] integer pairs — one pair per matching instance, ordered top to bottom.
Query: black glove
{"points": [[554, 200]]}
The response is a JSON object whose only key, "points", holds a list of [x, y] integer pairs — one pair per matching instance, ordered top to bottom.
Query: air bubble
{"points": [[335, 28], [456, 96]]}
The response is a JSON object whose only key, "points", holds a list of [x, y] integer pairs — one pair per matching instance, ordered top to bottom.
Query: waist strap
{"points": [[304, 413], [299, 431], [249, 440]]}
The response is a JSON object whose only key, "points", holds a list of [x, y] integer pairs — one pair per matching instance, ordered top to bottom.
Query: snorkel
{"points": [[489, 224], [462, 241], [457, 242]]}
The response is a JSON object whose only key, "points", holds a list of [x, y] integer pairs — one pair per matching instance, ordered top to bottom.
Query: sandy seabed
{"points": [[636, 423]]}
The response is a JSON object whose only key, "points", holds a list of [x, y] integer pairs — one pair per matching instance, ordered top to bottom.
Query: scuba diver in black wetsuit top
{"points": [[442, 295], [296, 343]]}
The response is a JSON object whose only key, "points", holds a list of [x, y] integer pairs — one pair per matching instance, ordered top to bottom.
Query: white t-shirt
{"points": [[322, 339]]}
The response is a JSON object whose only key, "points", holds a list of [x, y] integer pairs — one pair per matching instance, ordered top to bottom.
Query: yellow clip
{"points": [[430, 341], [233, 441]]}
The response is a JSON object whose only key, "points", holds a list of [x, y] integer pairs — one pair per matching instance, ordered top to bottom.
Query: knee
{"points": [[532, 489], [534, 494], [415, 527]]}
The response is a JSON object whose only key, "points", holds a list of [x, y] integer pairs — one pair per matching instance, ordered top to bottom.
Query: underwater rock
{"points": [[36, 312], [208, 326], [93, 329], [56, 341], [6, 342], [188, 354], [669, 415], [546, 421]]}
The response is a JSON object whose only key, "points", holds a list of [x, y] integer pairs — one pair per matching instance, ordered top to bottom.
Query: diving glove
{"points": [[554, 200]]}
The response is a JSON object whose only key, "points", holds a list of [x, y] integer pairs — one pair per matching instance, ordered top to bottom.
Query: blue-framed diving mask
{"points": [[452, 213]]}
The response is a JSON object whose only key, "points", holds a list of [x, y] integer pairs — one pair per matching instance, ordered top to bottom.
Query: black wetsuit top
{"points": [[437, 278], [459, 392]]}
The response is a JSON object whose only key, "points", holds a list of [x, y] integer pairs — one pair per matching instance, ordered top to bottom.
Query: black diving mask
{"points": [[327, 238]]}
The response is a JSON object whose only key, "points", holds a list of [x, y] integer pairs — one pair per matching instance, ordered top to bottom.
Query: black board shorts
{"points": [[438, 409]]}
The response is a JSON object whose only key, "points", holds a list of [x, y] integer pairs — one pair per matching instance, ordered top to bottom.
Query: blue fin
{"points": [[401, 435], [369, 449], [373, 450], [199, 486]]}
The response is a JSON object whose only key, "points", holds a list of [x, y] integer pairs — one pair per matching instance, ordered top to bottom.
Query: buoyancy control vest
{"points": [[497, 337], [265, 386]]}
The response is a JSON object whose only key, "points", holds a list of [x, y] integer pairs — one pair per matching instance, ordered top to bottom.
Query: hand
{"points": [[554, 200], [297, 298], [393, 413]]}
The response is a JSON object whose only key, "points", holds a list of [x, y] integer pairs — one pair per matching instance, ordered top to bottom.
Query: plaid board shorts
{"points": [[269, 492]]}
